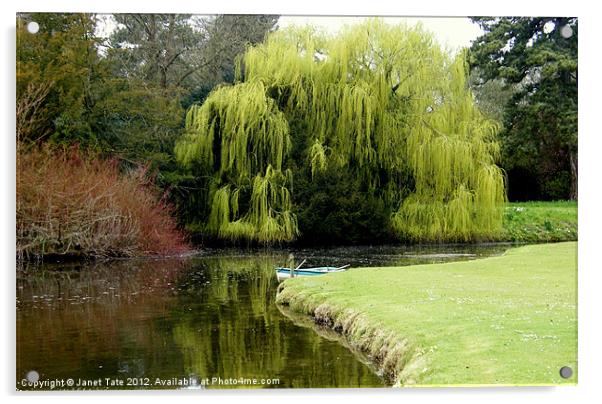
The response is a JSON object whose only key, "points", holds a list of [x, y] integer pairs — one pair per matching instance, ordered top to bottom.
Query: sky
{"points": [[453, 32]]}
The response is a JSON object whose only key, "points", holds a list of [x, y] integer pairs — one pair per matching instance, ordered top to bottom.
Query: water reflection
{"points": [[211, 316]]}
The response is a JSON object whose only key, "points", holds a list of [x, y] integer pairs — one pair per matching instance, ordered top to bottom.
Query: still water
{"points": [[206, 321]]}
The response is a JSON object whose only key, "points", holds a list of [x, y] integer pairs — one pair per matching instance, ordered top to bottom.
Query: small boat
{"points": [[285, 273]]}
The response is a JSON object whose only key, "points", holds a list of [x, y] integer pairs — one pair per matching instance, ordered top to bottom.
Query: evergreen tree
{"points": [[537, 57], [57, 68]]}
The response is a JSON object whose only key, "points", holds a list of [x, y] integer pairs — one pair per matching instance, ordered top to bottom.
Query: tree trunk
{"points": [[573, 160]]}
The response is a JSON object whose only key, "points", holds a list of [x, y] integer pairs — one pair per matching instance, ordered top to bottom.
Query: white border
{"points": [[589, 191]]}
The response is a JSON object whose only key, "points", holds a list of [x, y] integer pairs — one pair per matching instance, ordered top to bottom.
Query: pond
{"points": [[206, 321]]}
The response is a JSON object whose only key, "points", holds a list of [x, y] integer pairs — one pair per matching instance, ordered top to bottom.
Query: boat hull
{"points": [[285, 273]]}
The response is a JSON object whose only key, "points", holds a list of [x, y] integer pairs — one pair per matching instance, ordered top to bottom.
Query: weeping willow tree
{"points": [[383, 103]]}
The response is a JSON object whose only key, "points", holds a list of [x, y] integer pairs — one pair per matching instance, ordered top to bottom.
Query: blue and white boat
{"points": [[285, 273]]}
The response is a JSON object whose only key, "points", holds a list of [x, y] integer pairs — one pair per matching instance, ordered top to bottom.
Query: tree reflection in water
{"points": [[204, 317]]}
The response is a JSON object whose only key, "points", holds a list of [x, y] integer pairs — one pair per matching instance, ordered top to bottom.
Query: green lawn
{"points": [[540, 221], [506, 320]]}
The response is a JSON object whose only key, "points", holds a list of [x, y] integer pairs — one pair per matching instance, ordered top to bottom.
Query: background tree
{"points": [[225, 38], [156, 48], [181, 50], [537, 57], [56, 71], [492, 95]]}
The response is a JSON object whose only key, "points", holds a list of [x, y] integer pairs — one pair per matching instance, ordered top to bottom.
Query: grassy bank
{"points": [[532, 222], [500, 320]]}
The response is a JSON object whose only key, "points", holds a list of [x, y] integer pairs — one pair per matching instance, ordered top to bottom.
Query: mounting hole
{"points": [[33, 27], [566, 31], [566, 372], [32, 376]]}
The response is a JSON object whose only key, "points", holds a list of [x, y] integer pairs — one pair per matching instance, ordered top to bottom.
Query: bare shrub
{"points": [[74, 203]]}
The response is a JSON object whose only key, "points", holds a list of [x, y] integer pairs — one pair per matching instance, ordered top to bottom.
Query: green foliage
{"points": [[62, 58], [538, 64], [87, 101], [377, 102], [139, 123], [252, 132], [333, 207], [532, 222]]}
